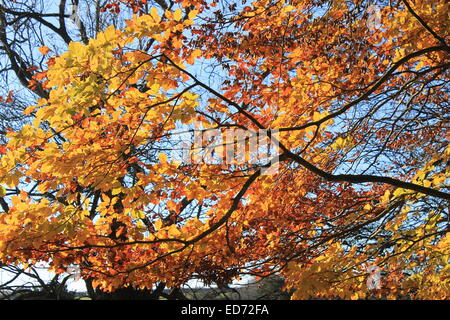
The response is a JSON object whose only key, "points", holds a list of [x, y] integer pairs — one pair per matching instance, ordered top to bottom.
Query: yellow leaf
{"points": [[288, 8], [154, 14], [168, 14], [192, 14], [177, 15], [158, 37], [196, 53], [29, 109], [317, 116], [162, 158], [2, 191], [116, 191], [399, 191], [385, 197], [406, 209], [138, 214], [158, 224], [173, 231], [355, 296]]}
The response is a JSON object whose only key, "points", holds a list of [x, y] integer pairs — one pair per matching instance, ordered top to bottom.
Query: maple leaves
{"points": [[362, 150]]}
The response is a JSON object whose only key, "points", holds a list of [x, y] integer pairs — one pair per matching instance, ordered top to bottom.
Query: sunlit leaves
{"points": [[2, 191]]}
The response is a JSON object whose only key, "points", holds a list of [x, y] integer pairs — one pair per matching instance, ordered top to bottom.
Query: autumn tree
{"points": [[352, 94]]}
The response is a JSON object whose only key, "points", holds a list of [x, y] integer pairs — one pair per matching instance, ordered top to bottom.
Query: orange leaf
{"points": [[44, 50]]}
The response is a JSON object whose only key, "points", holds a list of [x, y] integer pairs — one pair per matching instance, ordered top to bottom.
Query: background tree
{"points": [[360, 104]]}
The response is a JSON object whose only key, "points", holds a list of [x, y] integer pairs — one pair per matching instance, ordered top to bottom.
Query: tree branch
{"points": [[424, 24], [366, 178]]}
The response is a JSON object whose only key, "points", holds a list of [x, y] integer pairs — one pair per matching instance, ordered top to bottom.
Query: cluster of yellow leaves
{"points": [[96, 115], [333, 274]]}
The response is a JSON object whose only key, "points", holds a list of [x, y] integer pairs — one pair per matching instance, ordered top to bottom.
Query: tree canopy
{"points": [[353, 94]]}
